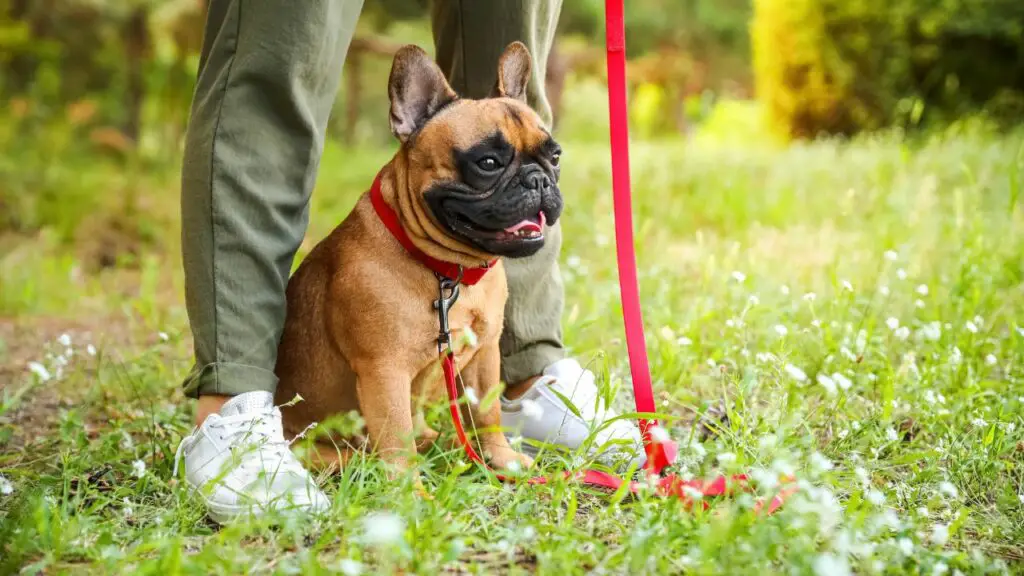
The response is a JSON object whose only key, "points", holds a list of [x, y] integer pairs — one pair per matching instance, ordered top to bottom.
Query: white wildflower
{"points": [[891, 255], [573, 261], [901, 274], [738, 276], [847, 285], [784, 289], [922, 289], [883, 290], [810, 296], [753, 300], [919, 303], [979, 320], [730, 323], [816, 323], [892, 323], [971, 327], [781, 330], [931, 331], [667, 333], [902, 333], [163, 336], [469, 337], [64, 340], [684, 341], [862, 341], [90, 350], [848, 354], [956, 357], [991, 360], [711, 363], [40, 371], [795, 372], [842, 381], [827, 383], [471, 396], [532, 410], [979, 422], [659, 434], [891, 435], [767, 441], [698, 450], [726, 458], [820, 463], [513, 466], [138, 468], [862, 475], [765, 479], [6, 488], [948, 489], [692, 492], [875, 497], [127, 510], [922, 511], [382, 528], [940, 534], [906, 546], [831, 565], [350, 567], [941, 568]]}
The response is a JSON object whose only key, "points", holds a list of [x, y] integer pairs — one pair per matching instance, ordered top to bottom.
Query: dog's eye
{"points": [[555, 158], [488, 163]]}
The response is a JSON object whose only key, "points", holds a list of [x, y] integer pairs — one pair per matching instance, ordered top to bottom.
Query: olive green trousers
{"points": [[268, 75]]}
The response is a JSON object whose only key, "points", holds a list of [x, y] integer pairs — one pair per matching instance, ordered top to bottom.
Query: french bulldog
{"points": [[473, 181]]}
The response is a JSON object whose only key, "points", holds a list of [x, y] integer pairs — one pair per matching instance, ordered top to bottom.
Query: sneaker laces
{"points": [[255, 434]]}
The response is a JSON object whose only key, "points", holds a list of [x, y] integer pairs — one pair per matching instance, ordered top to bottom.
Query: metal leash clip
{"points": [[448, 293]]}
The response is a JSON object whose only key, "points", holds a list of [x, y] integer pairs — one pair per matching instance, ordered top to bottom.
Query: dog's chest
{"points": [[476, 317]]}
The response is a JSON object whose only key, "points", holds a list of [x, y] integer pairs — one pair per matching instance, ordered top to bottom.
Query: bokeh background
{"points": [[107, 83]]}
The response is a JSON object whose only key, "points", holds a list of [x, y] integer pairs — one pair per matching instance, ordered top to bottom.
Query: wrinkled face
{"points": [[489, 175]]}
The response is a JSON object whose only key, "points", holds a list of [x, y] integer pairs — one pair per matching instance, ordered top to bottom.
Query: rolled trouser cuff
{"points": [[529, 362], [228, 379]]}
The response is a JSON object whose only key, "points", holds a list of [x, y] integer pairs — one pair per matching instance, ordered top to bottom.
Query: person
{"points": [[268, 75]]}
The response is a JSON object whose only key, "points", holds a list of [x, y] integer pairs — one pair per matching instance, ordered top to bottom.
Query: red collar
{"points": [[388, 216]]}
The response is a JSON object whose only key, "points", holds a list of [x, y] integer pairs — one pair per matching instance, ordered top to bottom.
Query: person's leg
{"points": [[469, 37], [268, 75]]}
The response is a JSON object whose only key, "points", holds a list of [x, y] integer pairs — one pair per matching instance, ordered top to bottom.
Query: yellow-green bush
{"points": [[842, 66]]}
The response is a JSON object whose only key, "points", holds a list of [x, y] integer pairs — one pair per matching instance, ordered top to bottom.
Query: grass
{"points": [[850, 312]]}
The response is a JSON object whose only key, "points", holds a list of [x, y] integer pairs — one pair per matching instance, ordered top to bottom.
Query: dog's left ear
{"points": [[513, 72], [417, 90]]}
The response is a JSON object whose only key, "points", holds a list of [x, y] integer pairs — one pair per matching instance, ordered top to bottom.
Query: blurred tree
{"points": [[842, 66]]}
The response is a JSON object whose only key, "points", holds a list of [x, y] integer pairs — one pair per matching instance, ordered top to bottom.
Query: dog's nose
{"points": [[537, 180]]}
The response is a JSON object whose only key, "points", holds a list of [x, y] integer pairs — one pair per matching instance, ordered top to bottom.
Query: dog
{"points": [[472, 182]]}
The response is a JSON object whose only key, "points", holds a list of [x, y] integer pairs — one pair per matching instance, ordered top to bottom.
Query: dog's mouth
{"points": [[528, 230]]}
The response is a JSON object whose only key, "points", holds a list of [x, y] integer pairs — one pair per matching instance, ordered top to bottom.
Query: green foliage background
{"points": [[843, 66]]}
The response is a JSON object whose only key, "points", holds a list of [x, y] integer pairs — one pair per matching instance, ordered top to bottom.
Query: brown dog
{"points": [[472, 180]]}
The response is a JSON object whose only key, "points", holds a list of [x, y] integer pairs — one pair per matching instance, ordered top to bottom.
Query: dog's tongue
{"points": [[529, 225]]}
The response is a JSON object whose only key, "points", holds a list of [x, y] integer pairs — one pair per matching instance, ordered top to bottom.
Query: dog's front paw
{"points": [[504, 457]]}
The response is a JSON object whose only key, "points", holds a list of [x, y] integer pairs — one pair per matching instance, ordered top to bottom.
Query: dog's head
{"points": [[483, 173]]}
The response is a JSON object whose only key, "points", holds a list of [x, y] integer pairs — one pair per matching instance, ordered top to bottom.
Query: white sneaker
{"points": [[540, 415], [240, 463]]}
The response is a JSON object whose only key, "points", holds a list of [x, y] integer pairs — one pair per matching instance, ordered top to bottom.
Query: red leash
{"points": [[660, 453]]}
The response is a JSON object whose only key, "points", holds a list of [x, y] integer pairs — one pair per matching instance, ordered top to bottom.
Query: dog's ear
{"points": [[513, 72], [417, 90]]}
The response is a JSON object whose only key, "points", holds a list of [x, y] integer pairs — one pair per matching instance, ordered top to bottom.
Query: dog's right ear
{"points": [[417, 89]]}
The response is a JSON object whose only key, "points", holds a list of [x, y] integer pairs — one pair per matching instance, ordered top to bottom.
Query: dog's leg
{"points": [[482, 374], [386, 405], [328, 457]]}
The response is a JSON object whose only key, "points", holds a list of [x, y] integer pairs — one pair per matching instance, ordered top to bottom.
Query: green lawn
{"points": [[852, 313]]}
